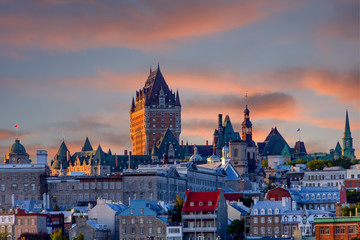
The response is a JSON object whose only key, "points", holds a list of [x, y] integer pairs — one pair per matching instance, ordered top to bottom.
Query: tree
{"points": [[265, 163], [316, 164], [352, 196], [345, 211], [176, 212], [236, 229], [57, 235], [34, 236], [80, 237]]}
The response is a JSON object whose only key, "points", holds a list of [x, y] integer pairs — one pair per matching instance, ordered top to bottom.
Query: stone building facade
{"points": [[155, 109], [332, 176], [22, 182], [143, 220], [29, 223]]}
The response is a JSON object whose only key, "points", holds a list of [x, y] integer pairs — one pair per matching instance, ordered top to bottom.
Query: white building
{"points": [[332, 176]]}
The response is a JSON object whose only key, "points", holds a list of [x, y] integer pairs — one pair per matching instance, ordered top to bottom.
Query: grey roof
{"points": [[87, 145], [274, 145], [118, 208]]}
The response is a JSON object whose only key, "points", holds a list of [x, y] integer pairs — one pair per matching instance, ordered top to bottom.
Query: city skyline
{"points": [[72, 74]]}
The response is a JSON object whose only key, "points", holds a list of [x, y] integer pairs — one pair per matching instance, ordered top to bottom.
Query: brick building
{"points": [[155, 109], [265, 217], [29, 223], [336, 228]]}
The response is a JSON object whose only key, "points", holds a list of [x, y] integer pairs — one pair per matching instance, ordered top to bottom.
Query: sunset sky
{"points": [[70, 68]]}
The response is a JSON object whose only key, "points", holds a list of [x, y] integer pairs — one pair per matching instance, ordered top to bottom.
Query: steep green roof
{"points": [[347, 132], [166, 141], [87, 145], [275, 145], [338, 149], [286, 151], [99, 157]]}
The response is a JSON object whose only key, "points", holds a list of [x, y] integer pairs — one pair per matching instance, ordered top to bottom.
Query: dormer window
{"points": [[200, 203], [210, 203], [191, 204], [131, 211], [262, 211], [270, 211], [276, 211], [256, 212]]}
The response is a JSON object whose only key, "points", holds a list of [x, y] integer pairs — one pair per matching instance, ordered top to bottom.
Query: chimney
{"points": [[220, 120], [182, 143], [207, 143], [125, 152], [67, 156], [129, 160], [116, 161], [256, 201], [338, 210], [356, 212]]}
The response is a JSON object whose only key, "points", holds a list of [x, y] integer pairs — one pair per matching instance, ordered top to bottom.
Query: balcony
{"points": [[200, 216], [199, 229]]}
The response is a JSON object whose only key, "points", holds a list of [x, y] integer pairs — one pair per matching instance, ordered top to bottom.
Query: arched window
{"points": [[248, 155], [317, 196], [323, 196], [329, 196], [335, 196], [262, 211], [269, 211], [276, 211], [255, 212], [294, 218]]}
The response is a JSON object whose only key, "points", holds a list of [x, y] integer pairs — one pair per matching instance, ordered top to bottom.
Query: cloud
{"points": [[77, 25], [344, 25], [6, 134]]}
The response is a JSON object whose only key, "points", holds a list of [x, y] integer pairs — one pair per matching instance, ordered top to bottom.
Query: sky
{"points": [[69, 69]]}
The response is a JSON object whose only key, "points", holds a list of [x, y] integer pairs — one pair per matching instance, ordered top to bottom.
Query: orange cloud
{"points": [[52, 25]]}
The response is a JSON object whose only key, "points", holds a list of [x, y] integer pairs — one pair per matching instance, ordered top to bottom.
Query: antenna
{"points": [[246, 98]]}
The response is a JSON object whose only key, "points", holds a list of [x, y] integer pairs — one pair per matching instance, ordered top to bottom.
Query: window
{"points": [[3, 187], [14, 187], [323, 196], [329, 196], [335, 196], [200, 203], [209, 203], [191, 204], [131, 211], [141, 211], [255, 211], [262, 211], [269, 211], [276, 211], [285, 218], [262, 219], [269, 219], [276, 219], [123, 220], [132, 220], [141, 220], [150, 220], [255, 220], [32, 221], [255, 229], [262, 229], [286, 229], [351, 229], [133, 230], [142, 230], [150, 230], [159, 230], [270, 230], [276, 230], [337, 230]]}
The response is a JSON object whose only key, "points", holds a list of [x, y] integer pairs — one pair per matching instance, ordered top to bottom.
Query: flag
{"points": [[16, 126], [298, 130]]}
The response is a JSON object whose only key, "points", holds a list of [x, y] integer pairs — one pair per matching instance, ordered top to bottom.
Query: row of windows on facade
{"points": [[162, 114], [352, 176], [17, 177], [322, 177], [318, 184], [355, 184], [86, 185], [15, 187], [111, 196], [307, 196], [192, 204], [269, 211], [6, 219], [133, 220], [202, 224], [8, 229], [141, 230], [271, 230], [339, 230], [142, 238]]}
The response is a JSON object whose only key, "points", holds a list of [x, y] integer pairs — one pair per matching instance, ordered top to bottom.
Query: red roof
{"points": [[277, 194], [233, 196], [201, 201]]}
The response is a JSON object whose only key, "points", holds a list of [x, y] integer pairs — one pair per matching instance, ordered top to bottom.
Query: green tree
{"points": [[265, 163], [316, 164], [353, 197], [345, 211], [176, 212], [236, 229], [57, 235], [80, 237]]}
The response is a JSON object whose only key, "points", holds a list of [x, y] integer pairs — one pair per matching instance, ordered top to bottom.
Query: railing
{"points": [[199, 229]]}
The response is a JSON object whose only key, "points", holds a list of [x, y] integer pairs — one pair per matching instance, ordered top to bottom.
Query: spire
{"points": [[158, 66], [177, 101], [133, 104], [347, 132], [87, 145]]}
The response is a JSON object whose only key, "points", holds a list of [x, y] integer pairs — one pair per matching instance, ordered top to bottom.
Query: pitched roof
{"points": [[167, 140], [275, 144], [87, 145], [299, 147], [201, 201], [149, 208]]}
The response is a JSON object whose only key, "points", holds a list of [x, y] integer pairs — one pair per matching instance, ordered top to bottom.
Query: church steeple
{"points": [[246, 125], [348, 150]]}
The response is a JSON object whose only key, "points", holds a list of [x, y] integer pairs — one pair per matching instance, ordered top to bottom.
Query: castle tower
{"points": [[155, 109], [348, 150], [238, 156]]}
